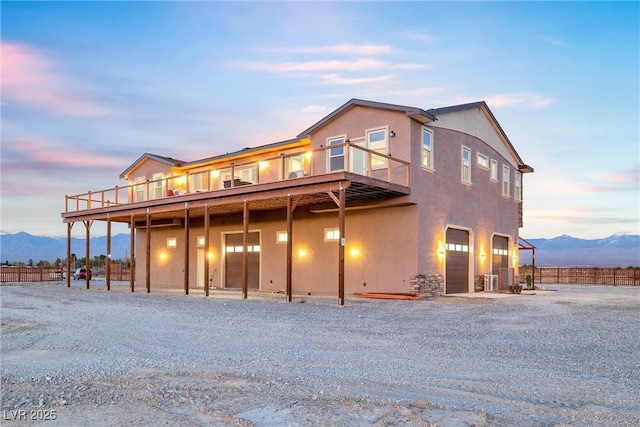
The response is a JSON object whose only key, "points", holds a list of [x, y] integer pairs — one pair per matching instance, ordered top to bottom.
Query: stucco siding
{"points": [[371, 235]]}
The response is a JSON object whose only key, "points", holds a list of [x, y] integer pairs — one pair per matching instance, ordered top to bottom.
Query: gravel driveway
{"points": [[566, 356]]}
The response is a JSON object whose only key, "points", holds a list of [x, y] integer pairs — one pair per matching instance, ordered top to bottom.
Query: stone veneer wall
{"points": [[479, 283], [427, 285]]}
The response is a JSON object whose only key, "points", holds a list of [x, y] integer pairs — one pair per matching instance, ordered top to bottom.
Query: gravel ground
{"points": [[566, 356]]}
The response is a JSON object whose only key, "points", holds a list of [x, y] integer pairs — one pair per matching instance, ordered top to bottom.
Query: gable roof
{"points": [[485, 108], [415, 113], [162, 159]]}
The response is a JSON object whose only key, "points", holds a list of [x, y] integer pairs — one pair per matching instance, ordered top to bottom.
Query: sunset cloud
{"points": [[345, 48], [30, 77], [336, 79], [531, 100], [43, 154]]}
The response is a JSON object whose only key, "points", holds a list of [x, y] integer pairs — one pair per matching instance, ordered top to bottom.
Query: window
{"points": [[377, 141], [427, 148], [336, 154], [482, 161], [466, 165], [293, 167], [494, 170], [242, 176], [506, 176], [198, 181], [158, 186], [518, 187], [139, 189], [331, 234], [281, 237], [201, 241], [172, 242], [497, 251]]}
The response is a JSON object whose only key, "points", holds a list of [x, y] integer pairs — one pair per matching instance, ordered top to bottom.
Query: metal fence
{"points": [[583, 275]]}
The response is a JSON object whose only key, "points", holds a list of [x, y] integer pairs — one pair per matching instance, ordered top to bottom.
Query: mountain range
{"points": [[23, 247], [619, 250]]}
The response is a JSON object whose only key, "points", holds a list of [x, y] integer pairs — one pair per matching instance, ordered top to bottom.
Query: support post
{"points": [[207, 220], [87, 226], [69, 227], [341, 245], [289, 247], [186, 249], [132, 250], [148, 252], [245, 253], [108, 272]]}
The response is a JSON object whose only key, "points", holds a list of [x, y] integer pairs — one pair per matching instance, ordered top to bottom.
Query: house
{"points": [[374, 197]]}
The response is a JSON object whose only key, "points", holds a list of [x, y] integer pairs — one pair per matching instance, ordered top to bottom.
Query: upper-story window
{"points": [[377, 141], [427, 148], [336, 154], [482, 161], [465, 165], [293, 166], [494, 170], [242, 175], [506, 180], [198, 181], [518, 187], [157, 188], [138, 190]]}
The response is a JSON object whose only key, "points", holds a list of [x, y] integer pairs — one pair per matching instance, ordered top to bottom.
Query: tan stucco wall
{"points": [[375, 233]]}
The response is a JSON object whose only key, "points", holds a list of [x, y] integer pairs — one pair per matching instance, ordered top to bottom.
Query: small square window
{"points": [[482, 161], [331, 234], [281, 237], [201, 241], [172, 242]]}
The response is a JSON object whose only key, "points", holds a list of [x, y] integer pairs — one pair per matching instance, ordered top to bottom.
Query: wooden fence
{"points": [[30, 274], [56, 274], [583, 275]]}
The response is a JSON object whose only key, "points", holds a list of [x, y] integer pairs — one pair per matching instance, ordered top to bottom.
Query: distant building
{"points": [[374, 197]]}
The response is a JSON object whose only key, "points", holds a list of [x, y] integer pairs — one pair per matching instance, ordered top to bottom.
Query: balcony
{"points": [[369, 173]]}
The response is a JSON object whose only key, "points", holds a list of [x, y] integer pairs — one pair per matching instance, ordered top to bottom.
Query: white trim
{"points": [[329, 156], [485, 159], [384, 162], [430, 167], [464, 167], [493, 178], [506, 183], [472, 264]]}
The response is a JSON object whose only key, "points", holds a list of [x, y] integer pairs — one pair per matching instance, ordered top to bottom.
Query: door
{"points": [[234, 252], [457, 261]]}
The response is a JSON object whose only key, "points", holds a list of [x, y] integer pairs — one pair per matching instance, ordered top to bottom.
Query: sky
{"points": [[88, 87]]}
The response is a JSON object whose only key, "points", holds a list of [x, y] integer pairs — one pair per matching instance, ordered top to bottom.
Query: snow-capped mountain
{"points": [[618, 250]]}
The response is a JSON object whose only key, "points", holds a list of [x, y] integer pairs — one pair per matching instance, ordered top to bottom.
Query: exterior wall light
{"points": [[392, 134], [354, 252], [302, 253], [163, 256]]}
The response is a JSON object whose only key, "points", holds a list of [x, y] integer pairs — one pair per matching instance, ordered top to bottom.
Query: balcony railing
{"points": [[344, 157]]}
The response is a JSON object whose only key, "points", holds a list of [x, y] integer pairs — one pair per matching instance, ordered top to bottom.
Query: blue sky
{"points": [[87, 87]]}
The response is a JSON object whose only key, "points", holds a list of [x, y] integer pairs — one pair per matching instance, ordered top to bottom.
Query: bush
{"points": [[529, 284], [515, 289]]}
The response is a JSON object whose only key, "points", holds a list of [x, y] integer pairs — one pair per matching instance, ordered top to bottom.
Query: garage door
{"points": [[234, 252], [500, 253], [500, 258], [457, 260]]}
